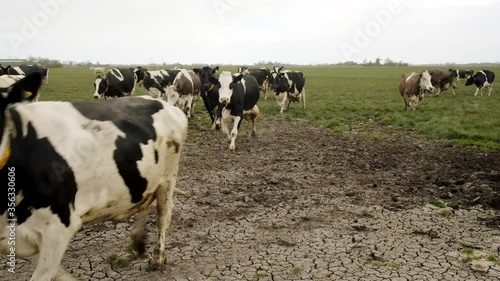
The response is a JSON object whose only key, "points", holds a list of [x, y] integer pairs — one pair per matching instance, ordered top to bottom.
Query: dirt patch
{"points": [[299, 202]]}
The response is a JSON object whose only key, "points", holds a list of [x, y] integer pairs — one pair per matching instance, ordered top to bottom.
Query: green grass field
{"points": [[339, 97]]}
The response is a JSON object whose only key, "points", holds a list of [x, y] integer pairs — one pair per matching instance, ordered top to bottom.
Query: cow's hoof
{"points": [[155, 266]]}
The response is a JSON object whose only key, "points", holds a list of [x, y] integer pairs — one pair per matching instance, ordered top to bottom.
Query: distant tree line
{"points": [[387, 62], [50, 63]]}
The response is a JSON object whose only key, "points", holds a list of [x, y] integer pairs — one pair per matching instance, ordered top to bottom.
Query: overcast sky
{"points": [[248, 31]]}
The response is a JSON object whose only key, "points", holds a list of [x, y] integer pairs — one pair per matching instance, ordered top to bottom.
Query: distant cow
{"points": [[28, 69], [11, 70], [98, 70], [461, 73], [261, 75], [483, 78], [442, 80], [156, 81], [117, 83], [289, 86], [413, 86], [184, 91], [210, 91], [238, 97], [77, 164]]}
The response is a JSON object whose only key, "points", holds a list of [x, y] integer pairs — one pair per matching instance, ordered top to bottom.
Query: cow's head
{"points": [[3, 70], [140, 72], [208, 77], [471, 80], [425, 81], [226, 84], [100, 86], [152, 86], [24, 90], [172, 95]]}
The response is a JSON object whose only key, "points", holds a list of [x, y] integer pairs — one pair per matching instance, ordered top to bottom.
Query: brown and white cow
{"points": [[442, 80], [412, 88], [184, 91]]}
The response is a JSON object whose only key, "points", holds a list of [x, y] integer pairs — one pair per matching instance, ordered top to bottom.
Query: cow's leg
{"points": [[491, 88], [453, 89], [481, 90], [477, 91], [438, 92], [304, 97], [283, 102], [193, 103], [188, 105], [252, 115], [226, 120], [234, 132], [164, 207], [138, 235], [55, 240]]}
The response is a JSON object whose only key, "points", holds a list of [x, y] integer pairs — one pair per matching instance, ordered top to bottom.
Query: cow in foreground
{"points": [[461, 73], [483, 78], [442, 80], [156, 81], [117, 83], [289, 86], [413, 86], [184, 91], [210, 91], [238, 97], [77, 164]]}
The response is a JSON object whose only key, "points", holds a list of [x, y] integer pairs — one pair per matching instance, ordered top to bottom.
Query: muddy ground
{"points": [[299, 202]]}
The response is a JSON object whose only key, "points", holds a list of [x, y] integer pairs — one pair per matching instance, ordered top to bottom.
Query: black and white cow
{"points": [[28, 69], [11, 70], [461, 73], [261, 75], [483, 78], [156, 81], [117, 83], [289, 86], [184, 91], [210, 91], [238, 96], [66, 165]]}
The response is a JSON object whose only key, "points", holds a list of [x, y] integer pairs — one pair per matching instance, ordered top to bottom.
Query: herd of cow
{"points": [[413, 86], [228, 98], [69, 164]]}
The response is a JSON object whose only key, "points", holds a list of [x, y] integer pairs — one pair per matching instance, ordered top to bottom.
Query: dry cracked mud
{"points": [[299, 202]]}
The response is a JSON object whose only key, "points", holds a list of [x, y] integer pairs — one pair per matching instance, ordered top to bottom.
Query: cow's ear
{"points": [[215, 69], [279, 69], [197, 70], [282, 74], [237, 79], [25, 89]]}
